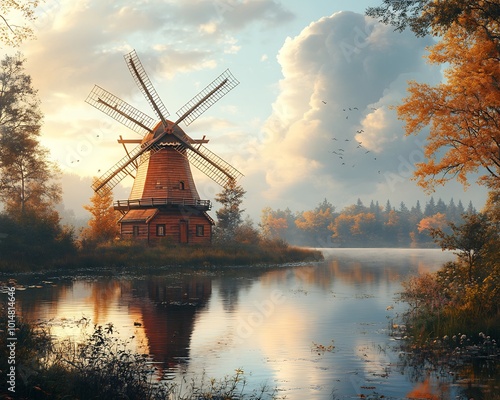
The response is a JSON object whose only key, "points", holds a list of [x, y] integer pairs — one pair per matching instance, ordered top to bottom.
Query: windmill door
{"points": [[183, 231]]}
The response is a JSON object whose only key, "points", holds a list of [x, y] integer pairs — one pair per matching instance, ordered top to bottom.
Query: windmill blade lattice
{"points": [[145, 86], [219, 87], [121, 111], [212, 165], [119, 171]]}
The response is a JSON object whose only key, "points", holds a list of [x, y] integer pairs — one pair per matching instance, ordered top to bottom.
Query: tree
{"points": [[11, 11], [434, 17], [463, 112], [20, 114], [27, 177], [27, 181], [430, 208], [229, 216], [316, 222], [273, 223], [432, 223], [103, 226], [246, 232], [469, 239]]}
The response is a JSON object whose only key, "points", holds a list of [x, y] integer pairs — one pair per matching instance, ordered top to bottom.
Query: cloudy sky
{"points": [[310, 119]]}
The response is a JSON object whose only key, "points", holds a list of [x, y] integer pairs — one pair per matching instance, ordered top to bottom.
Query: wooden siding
{"points": [[163, 176], [139, 181], [172, 221]]}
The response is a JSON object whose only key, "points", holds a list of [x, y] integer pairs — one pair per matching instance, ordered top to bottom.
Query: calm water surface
{"points": [[270, 322]]}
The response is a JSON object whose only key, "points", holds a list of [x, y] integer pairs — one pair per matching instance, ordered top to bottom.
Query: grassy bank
{"points": [[131, 254]]}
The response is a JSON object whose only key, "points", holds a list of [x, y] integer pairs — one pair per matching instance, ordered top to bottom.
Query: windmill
{"points": [[163, 202]]}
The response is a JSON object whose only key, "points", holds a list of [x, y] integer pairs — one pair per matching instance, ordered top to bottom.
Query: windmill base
{"points": [[183, 225]]}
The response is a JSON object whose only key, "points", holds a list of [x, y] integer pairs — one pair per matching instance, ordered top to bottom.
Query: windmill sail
{"points": [[145, 86], [217, 89], [121, 111], [202, 158], [212, 165], [118, 172]]}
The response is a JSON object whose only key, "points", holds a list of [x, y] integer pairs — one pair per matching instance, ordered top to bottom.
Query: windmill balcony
{"points": [[124, 205]]}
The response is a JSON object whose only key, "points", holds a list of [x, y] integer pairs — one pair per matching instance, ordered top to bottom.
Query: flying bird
{"points": [[324, 102]]}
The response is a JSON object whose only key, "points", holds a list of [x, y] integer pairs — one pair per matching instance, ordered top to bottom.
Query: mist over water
{"points": [[315, 331]]}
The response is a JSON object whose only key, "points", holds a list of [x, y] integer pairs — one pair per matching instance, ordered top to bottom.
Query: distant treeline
{"points": [[364, 226]]}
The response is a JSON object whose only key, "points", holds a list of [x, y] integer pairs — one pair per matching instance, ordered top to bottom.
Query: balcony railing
{"points": [[203, 205]]}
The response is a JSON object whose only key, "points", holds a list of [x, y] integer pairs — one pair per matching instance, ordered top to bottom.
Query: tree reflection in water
{"points": [[452, 368]]}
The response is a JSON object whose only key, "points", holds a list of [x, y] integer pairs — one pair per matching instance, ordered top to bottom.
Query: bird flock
{"points": [[341, 144]]}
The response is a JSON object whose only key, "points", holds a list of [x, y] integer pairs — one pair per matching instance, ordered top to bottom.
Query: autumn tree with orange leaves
{"points": [[463, 112], [463, 117], [103, 226]]}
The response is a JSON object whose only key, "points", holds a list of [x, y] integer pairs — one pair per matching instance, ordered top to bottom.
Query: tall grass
{"points": [[132, 254]]}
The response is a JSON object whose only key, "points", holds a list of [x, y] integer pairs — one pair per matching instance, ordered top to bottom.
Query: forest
{"points": [[358, 225]]}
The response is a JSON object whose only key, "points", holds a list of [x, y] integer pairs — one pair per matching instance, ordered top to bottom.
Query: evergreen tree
{"points": [[441, 206], [388, 207], [430, 208], [460, 208], [403, 209], [470, 209], [451, 212], [229, 216]]}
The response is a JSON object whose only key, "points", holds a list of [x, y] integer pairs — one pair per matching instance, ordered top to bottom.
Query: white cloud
{"points": [[340, 74]]}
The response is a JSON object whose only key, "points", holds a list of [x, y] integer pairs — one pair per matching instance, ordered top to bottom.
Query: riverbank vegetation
{"points": [[58, 253], [463, 297], [456, 311], [101, 365]]}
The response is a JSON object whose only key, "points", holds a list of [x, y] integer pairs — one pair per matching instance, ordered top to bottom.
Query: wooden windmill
{"points": [[164, 202]]}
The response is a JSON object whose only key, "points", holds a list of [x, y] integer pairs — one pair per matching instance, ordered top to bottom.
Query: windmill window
{"points": [[181, 185], [135, 230], [160, 230], [200, 230]]}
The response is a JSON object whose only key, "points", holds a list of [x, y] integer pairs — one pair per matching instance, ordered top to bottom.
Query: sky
{"points": [[310, 119]]}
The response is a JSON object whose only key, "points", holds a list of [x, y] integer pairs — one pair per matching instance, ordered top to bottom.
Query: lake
{"points": [[313, 331]]}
